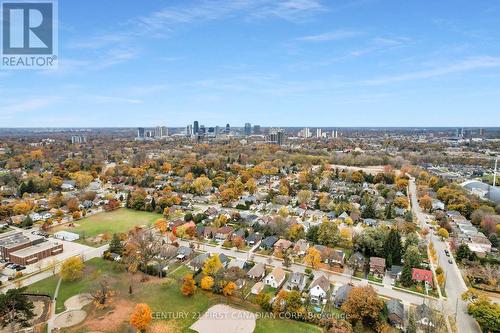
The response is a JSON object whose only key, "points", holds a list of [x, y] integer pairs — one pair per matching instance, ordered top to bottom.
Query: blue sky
{"points": [[268, 62]]}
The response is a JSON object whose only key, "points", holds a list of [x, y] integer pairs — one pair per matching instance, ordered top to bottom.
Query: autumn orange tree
{"points": [[426, 202], [212, 265], [188, 285], [229, 288], [363, 305], [141, 317]]}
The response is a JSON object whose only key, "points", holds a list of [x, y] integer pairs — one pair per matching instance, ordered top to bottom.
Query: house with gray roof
{"points": [[395, 313]]}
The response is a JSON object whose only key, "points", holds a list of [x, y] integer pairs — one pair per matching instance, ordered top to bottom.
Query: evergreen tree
{"points": [[31, 188], [22, 189], [127, 204], [153, 204], [369, 211], [389, 212], [27, 222], [115, 246], [393, 248], [406, 278], [15, 308]]}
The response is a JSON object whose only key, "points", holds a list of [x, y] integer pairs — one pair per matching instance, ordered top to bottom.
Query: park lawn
{"points": [[120, 220], [68, 289], [269, 325]]}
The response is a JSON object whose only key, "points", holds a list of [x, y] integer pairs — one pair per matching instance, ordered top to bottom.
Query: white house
{"points": [[275, 278], [318, 290]]}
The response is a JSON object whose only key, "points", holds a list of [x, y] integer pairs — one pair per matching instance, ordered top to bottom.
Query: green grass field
{"points": [[121, 220], [68, 289], [265, 325]]}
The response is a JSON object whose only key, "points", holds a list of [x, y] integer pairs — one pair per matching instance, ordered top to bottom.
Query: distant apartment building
{"points": [[256, 129], [161, 132], [319, 133], [276, 136], [78, 139]]}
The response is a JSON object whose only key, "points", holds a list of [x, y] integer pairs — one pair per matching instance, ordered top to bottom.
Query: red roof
{"points": [[421, 275]]}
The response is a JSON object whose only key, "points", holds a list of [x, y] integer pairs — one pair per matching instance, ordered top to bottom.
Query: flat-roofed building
{"points": [[13, 241], [32, 254]]}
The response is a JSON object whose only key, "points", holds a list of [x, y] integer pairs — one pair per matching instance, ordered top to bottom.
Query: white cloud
{"points": [[329, 36], [469, 64], [28, 104]]}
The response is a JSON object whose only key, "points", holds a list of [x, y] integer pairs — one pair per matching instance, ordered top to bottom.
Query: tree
{"points": [[357, 177], [202, 185], [251, 186], [304, 196], [401, 202], [426, 202], [27, 222], [328, 233], [443, 233], [115, 246], [392, 248], [463, 252], [313, 257], [212, 265], [72, 269], [207, 283], [188, 285], [229, 288], [101, 292], [264, 300], [362, 304], [15, 308], [483, 310], [141, 317], [412, 324]]}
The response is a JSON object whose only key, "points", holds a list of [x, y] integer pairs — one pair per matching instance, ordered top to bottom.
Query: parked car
{"points": [[450, 261]]}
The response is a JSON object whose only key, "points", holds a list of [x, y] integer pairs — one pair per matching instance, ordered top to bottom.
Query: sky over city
{"points": [[268, 62]]}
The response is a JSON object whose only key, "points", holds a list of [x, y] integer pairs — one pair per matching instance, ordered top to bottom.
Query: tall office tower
{"points": [[196, 127], [228, 128], [248, 129], [256, 129], [189, 130], [201, 130], [164, 131], [140, 132], [160, 132], [318, 132], [481, 132], [305, 133], [276, 136]]}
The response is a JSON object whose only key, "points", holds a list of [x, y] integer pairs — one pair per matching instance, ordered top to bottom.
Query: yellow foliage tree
{"points": [[313, 257], [212, 265], [72, 269], [207, 283], [188, 286], [141, 317]]}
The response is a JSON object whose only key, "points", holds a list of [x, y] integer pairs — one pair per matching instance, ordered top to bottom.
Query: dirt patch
{"points": [[78, 301], [113, 317], [223, 318]]}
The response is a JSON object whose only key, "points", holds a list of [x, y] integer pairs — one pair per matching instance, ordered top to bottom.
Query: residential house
{"points": [[223, 233], [253, 239], [268, 242], [282, 245], [301, 247], [167, 251], [184, 252], [224, 260], [357, 261], [197, 263], [241, 264], [377, 266], [257, 272], [396, 272], [422, 275], [275, 278], [296, 281], [319, 289], [341, 295], [395, 313]]}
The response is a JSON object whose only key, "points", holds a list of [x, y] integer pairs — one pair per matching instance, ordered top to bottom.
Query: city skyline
{"points": [[347, 64]]}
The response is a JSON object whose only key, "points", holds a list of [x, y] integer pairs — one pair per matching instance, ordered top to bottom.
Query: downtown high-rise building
{"points": [[196, 127], [228, 128], [248, 129], [256, 129], [189, 130], [140, 132], [160, 132], [276, 136]]}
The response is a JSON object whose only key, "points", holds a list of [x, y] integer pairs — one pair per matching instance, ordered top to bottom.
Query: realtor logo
{"points": [[29, 34]]}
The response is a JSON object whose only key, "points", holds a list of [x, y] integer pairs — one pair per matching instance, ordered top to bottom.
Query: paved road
{"points": [[455, 284]]}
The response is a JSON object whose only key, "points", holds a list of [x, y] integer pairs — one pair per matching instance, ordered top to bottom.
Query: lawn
{"points": [[121, 220], [68, 289], [268, 325]]}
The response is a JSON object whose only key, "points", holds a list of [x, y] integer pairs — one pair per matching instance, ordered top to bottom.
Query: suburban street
{"points": [[455, 284]]}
